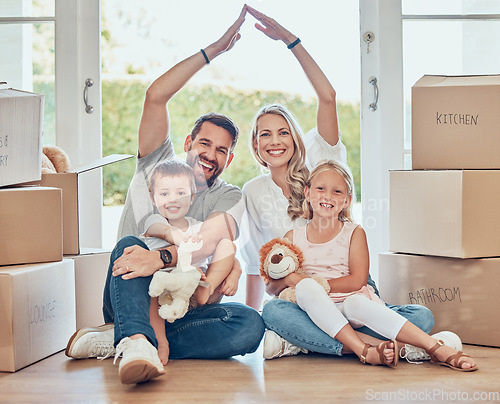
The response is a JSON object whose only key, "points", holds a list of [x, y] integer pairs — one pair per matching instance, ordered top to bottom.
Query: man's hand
{"points": [[230, 37], [136, 262]]}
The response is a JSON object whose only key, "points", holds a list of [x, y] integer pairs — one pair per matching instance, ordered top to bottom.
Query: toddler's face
{"points": [[172, 196]]}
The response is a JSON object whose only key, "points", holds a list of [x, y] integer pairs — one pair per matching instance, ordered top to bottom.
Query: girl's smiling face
{"points": [[275, 143], [328, 194]]}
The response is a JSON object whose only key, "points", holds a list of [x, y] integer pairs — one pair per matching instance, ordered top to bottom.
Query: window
{"points": [[27, 35]]}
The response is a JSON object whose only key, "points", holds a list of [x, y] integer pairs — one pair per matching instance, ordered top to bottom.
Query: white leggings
{"points": [[357, 310]]}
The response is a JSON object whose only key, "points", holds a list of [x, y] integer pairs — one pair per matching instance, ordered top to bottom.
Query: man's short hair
{"points": [[219, 120]]}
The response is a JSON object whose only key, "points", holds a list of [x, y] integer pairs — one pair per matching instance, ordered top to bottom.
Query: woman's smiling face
{"points": [[275, 143]]}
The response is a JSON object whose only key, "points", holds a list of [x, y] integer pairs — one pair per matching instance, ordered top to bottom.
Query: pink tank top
{"points": [[331, 259]]}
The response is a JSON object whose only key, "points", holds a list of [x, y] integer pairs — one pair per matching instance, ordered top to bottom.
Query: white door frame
{"points": [[78, 132], [382, 145]]}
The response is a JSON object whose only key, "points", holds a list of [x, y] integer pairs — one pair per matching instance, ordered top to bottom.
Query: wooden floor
{"points": [[301, 379]]}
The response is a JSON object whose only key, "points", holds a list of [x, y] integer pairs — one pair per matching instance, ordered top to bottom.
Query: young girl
{"points": [[172, 189], [336, 248]]}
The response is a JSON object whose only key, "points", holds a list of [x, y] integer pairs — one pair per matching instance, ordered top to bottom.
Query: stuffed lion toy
{"points": [[278, 258]]}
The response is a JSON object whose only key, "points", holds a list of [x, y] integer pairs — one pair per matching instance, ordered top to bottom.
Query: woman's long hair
{"points": [[297, 173]]}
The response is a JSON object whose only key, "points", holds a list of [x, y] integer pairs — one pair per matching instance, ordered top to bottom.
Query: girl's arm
{"points": [[326, 117], [359, 265]]}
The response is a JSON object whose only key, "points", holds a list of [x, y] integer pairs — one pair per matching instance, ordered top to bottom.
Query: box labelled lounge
{"points": [[21, 116], [455, 122], [68, 182], [449, 213], [30, 225], [91, 268], [461, 293], [38, 312]]}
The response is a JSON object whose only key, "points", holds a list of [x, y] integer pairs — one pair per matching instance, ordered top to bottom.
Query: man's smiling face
{"points": [[208, 154]]}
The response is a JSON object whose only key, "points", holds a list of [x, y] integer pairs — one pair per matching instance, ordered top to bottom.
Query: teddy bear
{"points": [[54, 160], [278, 258], [175, 288]]}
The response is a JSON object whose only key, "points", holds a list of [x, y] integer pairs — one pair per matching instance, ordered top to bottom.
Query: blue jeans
{"points": [[293, 324], [215, 331]]}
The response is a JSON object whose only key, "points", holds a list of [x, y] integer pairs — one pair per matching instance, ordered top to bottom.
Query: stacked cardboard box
{"points": [[444, 216], [45, 292]]}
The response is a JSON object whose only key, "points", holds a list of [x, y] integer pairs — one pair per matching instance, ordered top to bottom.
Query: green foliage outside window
{"points": [[122, 102]]}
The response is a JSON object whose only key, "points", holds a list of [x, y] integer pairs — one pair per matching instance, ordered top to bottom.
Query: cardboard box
{"points": [[21, 117], [455, 122], [68, 182], [449, 213], [30, 225], [91, 268], [462, 294], [38, 312]]}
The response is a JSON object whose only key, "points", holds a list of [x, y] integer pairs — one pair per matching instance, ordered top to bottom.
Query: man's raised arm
{"points": [[155, 122]]}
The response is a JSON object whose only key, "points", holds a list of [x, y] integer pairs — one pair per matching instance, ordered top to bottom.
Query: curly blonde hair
{"points": [[297, 173], [345, 173]]}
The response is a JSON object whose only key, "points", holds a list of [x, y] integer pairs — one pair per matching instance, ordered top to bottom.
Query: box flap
{"points": [[429, 80], [12, 92], [104, 161]]}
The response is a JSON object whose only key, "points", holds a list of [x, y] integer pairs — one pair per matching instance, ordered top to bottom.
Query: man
{"points": [[213, 331]]}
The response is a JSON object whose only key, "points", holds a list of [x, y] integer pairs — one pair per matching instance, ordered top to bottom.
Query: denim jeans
{"points": [[289, 321], [215, 331]]}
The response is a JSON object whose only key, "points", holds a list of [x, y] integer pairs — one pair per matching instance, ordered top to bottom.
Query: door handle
{"points": [[373, 81], [88, 108]]}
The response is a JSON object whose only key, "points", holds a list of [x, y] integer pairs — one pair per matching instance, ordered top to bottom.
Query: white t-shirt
{"points": [[266, 214]]}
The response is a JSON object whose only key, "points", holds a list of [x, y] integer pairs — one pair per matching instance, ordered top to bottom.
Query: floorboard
{"points": [[250, 379]]}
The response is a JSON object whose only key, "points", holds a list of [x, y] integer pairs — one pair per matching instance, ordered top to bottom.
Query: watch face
{"points": [[165, 256]]}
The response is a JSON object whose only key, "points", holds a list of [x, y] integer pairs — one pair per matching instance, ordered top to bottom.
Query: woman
{"points": [[277, 145]]}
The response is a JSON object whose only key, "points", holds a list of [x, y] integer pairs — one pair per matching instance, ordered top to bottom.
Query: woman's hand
{"points": [[271, 27], [230, 37], [137, 261]]}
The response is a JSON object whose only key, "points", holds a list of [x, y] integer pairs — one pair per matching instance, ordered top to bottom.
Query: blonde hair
{"points": [[297, 173], [345, 173]]}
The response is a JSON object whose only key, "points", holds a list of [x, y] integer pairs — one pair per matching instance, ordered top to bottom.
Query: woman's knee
{"points": [[277, 312]]}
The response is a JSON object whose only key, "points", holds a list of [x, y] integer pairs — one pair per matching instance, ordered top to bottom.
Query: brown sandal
{"points": [[380, 349], [448, 362]]}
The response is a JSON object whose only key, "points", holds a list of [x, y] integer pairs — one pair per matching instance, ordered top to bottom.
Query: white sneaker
{"points": [[96, 342], [276, 347], [414, 354], [140, 361]]}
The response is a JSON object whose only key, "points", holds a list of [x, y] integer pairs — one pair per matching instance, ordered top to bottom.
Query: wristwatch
{"points": [[166, 257]]}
